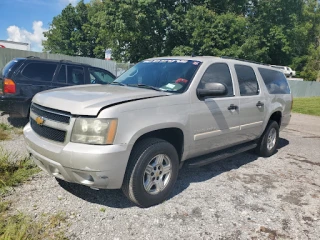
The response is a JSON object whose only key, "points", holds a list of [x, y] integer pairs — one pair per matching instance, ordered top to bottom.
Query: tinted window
{"points": [[7, 68], [39, 71], [218, 73], [75, 75], [172, 75], [62, 76], [100, 76], [275, 81], [248, 83]]}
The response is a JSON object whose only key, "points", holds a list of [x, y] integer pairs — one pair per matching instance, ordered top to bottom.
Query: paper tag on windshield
{"points": [[169, 85]]}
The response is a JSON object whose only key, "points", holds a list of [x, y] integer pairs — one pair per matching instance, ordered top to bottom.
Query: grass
{"points": [[309, 106], [7, 130], [13, 171], [102, 210], [18, 226], [22, 227]]}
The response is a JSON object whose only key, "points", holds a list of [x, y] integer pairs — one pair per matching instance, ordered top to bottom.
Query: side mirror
{"points": [[212, 90]]}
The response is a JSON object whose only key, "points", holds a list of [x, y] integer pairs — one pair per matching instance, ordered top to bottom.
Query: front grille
{"points": [[54, 115], [48, 132]]}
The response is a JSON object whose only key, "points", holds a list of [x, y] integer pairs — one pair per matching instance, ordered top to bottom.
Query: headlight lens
{"points": [[94, 131]]}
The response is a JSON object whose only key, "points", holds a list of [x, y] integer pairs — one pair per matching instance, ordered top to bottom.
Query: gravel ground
{"points": [[16, 144], [243, 197]]}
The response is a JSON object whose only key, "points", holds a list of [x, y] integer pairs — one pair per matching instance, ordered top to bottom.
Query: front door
{"points": [[69, 75], [214, 122]]}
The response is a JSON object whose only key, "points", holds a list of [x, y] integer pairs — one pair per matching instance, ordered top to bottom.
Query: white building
{"points": [[15, 45]]}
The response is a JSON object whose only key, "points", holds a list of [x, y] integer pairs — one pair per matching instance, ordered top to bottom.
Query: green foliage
{"points": [[281, 32], [309, 106], [5, 131], [13, 171], [22, 227]]}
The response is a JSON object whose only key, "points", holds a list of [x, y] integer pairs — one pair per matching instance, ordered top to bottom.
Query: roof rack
{"points": [[33, 57], [243, 60], [65, 61]]}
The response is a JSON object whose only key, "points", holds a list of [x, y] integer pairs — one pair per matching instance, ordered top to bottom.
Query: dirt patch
{"points": [[302, 159], [294, 197], [272, 234]]}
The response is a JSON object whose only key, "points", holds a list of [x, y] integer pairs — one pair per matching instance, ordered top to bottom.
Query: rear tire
{"points": [[268, 142], [151, 173]]}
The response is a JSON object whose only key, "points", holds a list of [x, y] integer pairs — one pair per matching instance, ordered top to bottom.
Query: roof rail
{"points": [[33, 57], [243, 60], [65, 61]]}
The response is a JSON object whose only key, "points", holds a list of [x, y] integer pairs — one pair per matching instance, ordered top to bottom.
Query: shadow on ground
{"points": [[116, 199]]}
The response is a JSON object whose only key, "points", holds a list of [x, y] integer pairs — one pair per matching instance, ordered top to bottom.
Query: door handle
{"points": [[260, 104], [232, 107]]}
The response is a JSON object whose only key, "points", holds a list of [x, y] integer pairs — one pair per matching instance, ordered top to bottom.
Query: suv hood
{"points": [[90, 99]]}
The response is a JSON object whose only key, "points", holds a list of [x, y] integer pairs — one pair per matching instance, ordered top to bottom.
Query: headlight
{"points": [[94, 131]]}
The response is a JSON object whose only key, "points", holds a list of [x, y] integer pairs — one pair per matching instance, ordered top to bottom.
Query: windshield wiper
{"points": [[118, 83], [145, 86]]}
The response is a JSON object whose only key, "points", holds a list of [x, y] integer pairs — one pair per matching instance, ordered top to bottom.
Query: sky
{"points": [[26, 20]]}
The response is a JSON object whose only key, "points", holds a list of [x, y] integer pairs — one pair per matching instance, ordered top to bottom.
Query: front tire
{"points": [[269, 140], [151, 173]]}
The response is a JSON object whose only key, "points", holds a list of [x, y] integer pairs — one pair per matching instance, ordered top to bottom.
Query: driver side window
{"points": [[218, 73], [100, 76]]}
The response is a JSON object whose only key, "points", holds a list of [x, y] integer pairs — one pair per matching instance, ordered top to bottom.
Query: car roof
{"points": [[211, 58], [37, 59]]}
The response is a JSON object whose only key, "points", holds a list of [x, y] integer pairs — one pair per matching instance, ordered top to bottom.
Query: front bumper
{"points": [[90, 165]]}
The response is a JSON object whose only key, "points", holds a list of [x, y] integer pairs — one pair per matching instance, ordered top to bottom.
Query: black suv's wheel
{"points": [[268, 142], [151, 173]]}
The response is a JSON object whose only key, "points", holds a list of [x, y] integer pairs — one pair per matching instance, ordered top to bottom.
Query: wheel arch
{"points": [[276, 116], [173, 134]]}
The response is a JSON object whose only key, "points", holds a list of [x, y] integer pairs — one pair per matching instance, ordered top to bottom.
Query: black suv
{"points": [[22, 78]]}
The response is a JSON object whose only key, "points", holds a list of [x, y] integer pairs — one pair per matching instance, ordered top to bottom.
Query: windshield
{"points": [[166, 75]]}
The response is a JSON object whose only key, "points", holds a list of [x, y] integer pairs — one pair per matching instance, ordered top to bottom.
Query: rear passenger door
{"points": [[252, 103]]}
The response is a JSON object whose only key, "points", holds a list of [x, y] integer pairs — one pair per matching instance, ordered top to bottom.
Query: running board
{"points": [[219, 155]]}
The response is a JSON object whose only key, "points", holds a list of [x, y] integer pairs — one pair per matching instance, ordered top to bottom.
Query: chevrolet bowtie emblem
{"points": [[40, 120]]}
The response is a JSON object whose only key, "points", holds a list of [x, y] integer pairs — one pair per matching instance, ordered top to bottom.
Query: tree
{"points": [[281, 32], [208, 33]]}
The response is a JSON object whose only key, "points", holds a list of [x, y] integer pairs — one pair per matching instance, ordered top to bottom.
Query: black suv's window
{"points": [[7, 68], [39, 71], [218, 73], [75, 75], [62, 76], [100, 76], [247, 79], [275, 81]]}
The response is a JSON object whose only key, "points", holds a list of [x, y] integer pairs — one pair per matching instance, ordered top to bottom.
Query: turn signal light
{"points": [[9, 86]]}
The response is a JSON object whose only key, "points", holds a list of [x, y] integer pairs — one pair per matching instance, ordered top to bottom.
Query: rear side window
{"points": [[7, 68], [39, 71], [218, 73], [75, 75], [247, 80], [275, 81]]}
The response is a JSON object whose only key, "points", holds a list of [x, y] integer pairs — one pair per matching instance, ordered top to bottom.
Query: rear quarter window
{"points": [[8, 67], [40, 71], [275, 81]]}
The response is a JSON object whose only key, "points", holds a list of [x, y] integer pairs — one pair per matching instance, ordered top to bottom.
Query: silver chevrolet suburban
{"points": [[136, 133]]}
